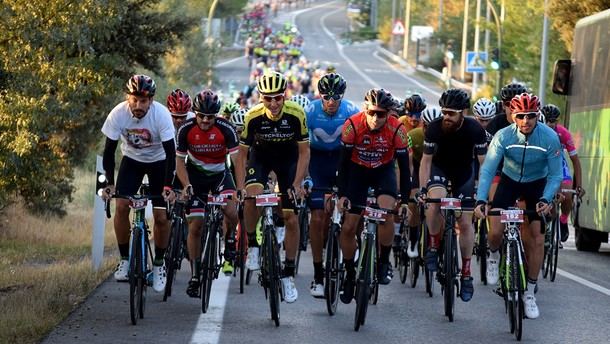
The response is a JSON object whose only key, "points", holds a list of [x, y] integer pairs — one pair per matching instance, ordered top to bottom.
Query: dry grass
{"points": [[45, 265]]}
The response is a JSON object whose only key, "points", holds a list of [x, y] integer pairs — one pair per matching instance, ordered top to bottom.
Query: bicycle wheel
{"points": [[303, 236], [555, 240], [242, 248], [422, 249], [482, 251], [549, 251], [173, 255], [402, 259], [208, 265], [272, 267], [332, 270], [413, 271], [144, 272], [449, 273], [134, 277], [363, 284]]}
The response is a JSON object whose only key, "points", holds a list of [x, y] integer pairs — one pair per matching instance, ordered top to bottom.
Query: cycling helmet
{"points": [[271, 83], [332, 84], [141, 85], [509, 91], [379, 98], [455, 99], [301, 100], [179, 102], [206, 102], [524, 102], [415, 104], [230, 107], [484, 108], [551, 112], [430, 114], [238, 116], [541, 117]]}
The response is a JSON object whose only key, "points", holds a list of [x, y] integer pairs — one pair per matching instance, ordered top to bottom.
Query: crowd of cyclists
{"points": [[493, 153]]}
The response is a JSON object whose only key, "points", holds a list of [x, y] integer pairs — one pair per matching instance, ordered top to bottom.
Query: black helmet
{"points": [[332, 84], [141, 85], [509, 91], [378, 97], [454, 98], [206, 102], [415, 104], [551, 112]]}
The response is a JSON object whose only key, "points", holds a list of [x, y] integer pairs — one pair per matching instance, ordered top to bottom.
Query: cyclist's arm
{"points": [[169, 147], [402, 158], [108, 159], [302, 163], [489, 165], [240, 166], [424, 169], [577, 171], [342, 172], [555, 176]]}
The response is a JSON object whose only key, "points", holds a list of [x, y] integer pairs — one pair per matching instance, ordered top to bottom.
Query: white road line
{"points": [[229, 61], [402, 74], [584, 282], [209, 325]]}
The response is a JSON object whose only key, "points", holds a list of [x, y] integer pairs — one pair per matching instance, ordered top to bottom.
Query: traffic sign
{"points": [[399, 28], [476, 62]]}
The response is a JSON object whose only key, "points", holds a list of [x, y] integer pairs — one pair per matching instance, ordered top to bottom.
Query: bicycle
{"points": [[302, 212], [553, 238], [480, 248], [177, 249], [140, 252], [241, 254], [211, 256], [513, 267], [449, 270]]}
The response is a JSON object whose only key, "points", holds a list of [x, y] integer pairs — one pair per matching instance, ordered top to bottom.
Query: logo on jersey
{"points": [[212, 136], [323, 136], [138, 138], [366, 140]]}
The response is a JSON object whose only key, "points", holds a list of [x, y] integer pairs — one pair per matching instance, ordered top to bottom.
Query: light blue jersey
{"points": [[325, 130]]}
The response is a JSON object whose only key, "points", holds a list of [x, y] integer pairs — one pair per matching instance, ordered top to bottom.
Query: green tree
{"points": [[565, 14], [63, 64]]}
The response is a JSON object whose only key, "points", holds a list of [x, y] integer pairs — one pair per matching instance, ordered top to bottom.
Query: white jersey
{"points": [[141, 139]]}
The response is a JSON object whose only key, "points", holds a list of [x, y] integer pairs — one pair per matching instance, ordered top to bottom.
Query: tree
{"points": [[565, 14], [63, 64]]}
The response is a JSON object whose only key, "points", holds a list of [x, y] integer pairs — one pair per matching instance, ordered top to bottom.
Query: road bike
{"points": [[552, 240], [177, 249], [480, 250]]}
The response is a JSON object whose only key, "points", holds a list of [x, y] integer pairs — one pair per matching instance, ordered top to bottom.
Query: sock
{"points": [[563, 218], [413, 234], [252, 240], [435, 240], [124, 251], [229, 253], [384, 254], [494, 255], [159, 256], [349, 267], [466, 267], [196, 268], [289, 268], [318, 273], [531, 285]]}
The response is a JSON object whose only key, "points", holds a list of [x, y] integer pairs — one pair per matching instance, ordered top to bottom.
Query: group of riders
{"points": [[402, 150]]}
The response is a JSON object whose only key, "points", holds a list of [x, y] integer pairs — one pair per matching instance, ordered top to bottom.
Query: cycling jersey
{"points": [[498, 122], [407, 123], [325, 129], [141, 138], [565, 139], [416, 143], [207, 150], [453, 150], [526, 159]]}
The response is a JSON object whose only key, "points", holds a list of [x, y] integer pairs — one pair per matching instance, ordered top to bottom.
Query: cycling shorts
{"points": [[323, 171], [257, 172], [131, 173], [415, 175], [567, 177], [382, 179], [203, 184], [459, 188], [509, 191]]}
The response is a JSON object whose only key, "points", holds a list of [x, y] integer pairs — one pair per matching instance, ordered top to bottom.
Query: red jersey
{"points": [[373, 148]]}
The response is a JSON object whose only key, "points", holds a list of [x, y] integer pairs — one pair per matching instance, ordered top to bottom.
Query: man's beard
{"points": [[449, 126]]}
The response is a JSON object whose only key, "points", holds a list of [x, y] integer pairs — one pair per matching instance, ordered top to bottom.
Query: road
{"points": [[574, 309]]}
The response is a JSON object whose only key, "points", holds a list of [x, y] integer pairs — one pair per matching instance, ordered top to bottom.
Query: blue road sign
{"points": [[476, 62]]}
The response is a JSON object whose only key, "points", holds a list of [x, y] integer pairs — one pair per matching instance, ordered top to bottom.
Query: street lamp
{"points": [[210, 42], [498, 61]]}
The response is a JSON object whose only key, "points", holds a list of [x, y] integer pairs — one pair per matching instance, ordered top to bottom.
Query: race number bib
{"points": [[218, 199], [266, 200], [138, 203], [451, 203], [374, 214], [514, 216]]}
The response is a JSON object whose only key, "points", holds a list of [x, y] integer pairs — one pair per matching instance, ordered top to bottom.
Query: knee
{"points": [[290, 219]]}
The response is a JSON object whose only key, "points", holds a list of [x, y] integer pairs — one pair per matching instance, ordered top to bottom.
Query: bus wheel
{"points": [[586, 240]]}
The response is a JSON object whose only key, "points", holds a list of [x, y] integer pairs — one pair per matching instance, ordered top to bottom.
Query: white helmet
{"points": [[301, 100], [484, 108], [430, 114], [238, 116], [541, 117]]}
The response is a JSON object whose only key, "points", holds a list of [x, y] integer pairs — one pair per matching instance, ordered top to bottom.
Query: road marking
{"points": [[229, 61], [399, 72], [584, 282], [209, 325]]}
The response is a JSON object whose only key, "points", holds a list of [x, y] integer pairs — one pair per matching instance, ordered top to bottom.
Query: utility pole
{"points": [[440, 15], [373, 19], [487, 19], [392, 38], [210, 42], [464, 42], [405, 47], [544, 55], [475, 75]]}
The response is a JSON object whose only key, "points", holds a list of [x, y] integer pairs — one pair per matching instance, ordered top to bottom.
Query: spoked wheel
{"points": [[555, 245], [242, 248], [482, 250], [549, 251], [173, 256], [208, 266], [403, 266], [272, 269], [332, 271], [413, 271], [449, 277], [363, 285], [135, 288], [520, 312]]}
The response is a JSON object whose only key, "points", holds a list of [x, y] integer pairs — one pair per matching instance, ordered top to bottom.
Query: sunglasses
{"points": [[333, 97], [277, 98], [450, 112], [378, 114], [528, 115], [177, 116], [209, 117], [551, 121]]}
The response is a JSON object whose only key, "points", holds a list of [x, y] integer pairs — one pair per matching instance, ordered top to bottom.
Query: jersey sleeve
{"points": [[111, 127], [166, 128], [303, 130], [348, 134], [230, 135], [247, 135], [431, 138], [401, 139], [480, 140], [568, 142], [182, 144], [489, 167], [555, 176]]}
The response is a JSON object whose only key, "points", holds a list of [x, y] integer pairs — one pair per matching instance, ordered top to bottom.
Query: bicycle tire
{"points": [[303, 236], [555, 244], [242, 249], [482, 251], [173, 256], [402, 259], [208, 265], [134, 267], [448, 269], [332, 271], [413, 271], [273, 274], [429, 275], [363, 284]]}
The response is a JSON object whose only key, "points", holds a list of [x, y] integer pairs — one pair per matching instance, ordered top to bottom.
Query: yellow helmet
{"points": [[271, 82]]}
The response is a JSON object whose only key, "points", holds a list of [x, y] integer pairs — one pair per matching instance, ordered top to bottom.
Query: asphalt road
{"points": [[574, 309]]}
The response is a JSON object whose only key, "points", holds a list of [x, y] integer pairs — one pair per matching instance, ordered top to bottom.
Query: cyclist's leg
{"points": [[285, 174], [156, 175], [256, 179], [128, 181], [437, 188], [386, 189], [566, 205], [466, 233], [533, 239]]}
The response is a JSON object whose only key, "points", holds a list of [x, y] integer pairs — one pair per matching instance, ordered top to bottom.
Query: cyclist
{"points": [[301, 100], [179, 104], [414, 105], [228, 109], [484, 111], [551, 113], [325, 118], [237, 119], [275, 138], [206, 140], [372, 141], [147, 143], [416, 150], [448, 157], [532, 172]]}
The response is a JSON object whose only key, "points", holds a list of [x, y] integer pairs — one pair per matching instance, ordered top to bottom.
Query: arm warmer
{"points": [[402, 158], [108, 159], [170, 161], [343, 171]]}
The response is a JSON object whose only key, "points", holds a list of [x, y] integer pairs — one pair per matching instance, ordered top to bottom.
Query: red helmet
{"points": [[179, 102], [524, 102]]}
